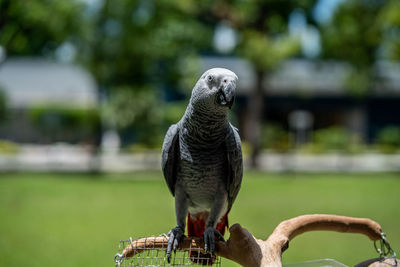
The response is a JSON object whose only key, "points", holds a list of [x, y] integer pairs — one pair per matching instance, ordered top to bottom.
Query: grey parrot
{"points": [[202, 162]]}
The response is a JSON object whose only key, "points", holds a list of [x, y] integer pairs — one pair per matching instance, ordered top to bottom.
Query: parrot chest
{"points": [[202, 175]]}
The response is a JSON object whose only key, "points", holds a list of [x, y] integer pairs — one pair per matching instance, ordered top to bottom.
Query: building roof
{"points": [[34, 81]]}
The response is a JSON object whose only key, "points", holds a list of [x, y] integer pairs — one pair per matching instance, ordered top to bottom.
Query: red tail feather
{"points": [[196, 225]]}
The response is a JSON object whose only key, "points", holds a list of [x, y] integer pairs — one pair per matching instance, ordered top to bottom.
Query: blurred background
{"points": [[85, 79], [88, 89]]}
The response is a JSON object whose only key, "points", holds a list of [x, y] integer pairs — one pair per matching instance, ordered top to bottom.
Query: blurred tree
{"points": [[39, 27], [362, 32], [265, 41], [140, 42], [139, 46], [133, 47]]}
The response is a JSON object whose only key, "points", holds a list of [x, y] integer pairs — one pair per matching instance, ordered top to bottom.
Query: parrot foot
{"points": [[210, 235], [175, 236]]}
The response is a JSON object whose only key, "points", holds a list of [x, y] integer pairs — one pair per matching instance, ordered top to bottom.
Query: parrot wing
{"points": [[170, 156], [235, 164]]}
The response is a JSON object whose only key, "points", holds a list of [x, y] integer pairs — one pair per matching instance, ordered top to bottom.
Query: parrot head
{"points": [[215, 89]]}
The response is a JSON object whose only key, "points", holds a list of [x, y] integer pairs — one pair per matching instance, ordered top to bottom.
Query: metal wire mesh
{"points": [[149, 251]]}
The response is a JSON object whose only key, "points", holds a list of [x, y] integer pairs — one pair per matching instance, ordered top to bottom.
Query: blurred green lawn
{"points": [[78, 219]]}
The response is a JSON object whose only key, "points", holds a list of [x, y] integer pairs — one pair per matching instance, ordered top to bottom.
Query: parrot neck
{"points": [[205, 125]]}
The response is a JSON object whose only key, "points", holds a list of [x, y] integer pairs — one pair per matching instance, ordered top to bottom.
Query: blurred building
{"points": [[319, 88], [48, 102]]}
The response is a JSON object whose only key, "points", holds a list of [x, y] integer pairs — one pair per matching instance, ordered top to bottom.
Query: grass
{"points": [[78, 220]]}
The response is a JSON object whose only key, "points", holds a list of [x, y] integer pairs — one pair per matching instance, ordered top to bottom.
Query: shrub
{"points": [[137, 114], [62, 123], [274, 136], [332, 139], [388, 139], [7, 147]]}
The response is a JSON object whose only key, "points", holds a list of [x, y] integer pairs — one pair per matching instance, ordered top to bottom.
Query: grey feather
{"points": [[170, 156], [235, 164]]}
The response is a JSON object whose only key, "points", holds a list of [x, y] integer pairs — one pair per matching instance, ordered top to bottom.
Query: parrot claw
{"points": [[175, 236], [209, 239]]}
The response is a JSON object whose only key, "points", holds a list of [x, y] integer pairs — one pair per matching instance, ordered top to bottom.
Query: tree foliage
{"points": [[262, 26], [38, 27], [361, 33], [141, 42], [137, 50]]}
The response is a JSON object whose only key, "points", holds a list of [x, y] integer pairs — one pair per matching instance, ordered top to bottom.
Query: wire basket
{"points": [[151, 251]]}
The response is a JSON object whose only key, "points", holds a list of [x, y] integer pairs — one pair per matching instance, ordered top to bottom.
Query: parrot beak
{"points": [[226, 95]]}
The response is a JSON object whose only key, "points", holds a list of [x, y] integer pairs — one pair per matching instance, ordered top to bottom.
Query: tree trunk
{"points": [[256, 107]]}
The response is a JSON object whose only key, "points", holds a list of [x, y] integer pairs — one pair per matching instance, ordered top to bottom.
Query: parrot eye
{"points": [[210, 78]]}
